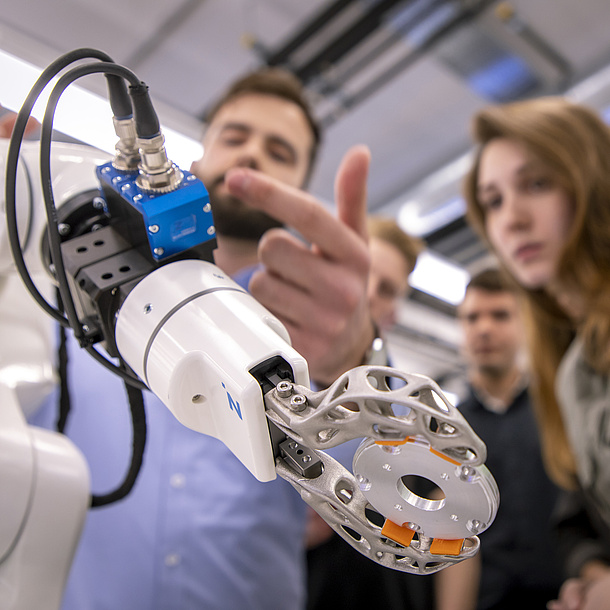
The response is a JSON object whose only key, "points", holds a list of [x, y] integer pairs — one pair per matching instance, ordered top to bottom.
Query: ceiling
{"points": [[402, 76]]}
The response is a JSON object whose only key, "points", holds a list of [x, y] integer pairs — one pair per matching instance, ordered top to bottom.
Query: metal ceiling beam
{"points": [[282, 55]]}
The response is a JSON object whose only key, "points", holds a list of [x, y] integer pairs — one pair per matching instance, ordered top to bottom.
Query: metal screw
{"points": [[191, 178], [137, 197], [98, 202], [207, 207], [64, 228], [154, 228], [211, 230], [158, 251], [284, 389], [298, 403], [467, 473], [363, 483], [413, 526], [475, 526]]}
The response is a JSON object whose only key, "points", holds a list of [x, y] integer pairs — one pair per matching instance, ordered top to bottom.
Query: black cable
{"points": [[120, 102], [121, 105], [147, 123], [12, 162], [45, 172], [46, 180], [62, 366], [124, 375], [138, 420]]}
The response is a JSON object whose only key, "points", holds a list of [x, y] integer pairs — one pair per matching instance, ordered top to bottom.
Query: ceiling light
{"points": [[439, 277]]}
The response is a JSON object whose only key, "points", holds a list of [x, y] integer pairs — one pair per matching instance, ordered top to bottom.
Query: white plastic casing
{"points": [[72, 171], [193, 334], [27, 349], [45, 495]]}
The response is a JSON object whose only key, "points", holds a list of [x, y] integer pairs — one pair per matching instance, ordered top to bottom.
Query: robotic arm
{"points": [[130, 241]]}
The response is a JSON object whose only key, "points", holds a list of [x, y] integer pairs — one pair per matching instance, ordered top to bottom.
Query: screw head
{"points": [[284, 389], [298, 403], [475, 526]]}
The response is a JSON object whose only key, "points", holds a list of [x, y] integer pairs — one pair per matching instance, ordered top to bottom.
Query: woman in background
{"points": [[539, 194]]}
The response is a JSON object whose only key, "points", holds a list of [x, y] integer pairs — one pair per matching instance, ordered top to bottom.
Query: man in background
{"points": [[517, 565]]}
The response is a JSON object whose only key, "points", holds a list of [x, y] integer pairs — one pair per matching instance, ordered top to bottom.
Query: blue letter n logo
{"points": [[233, 404]]}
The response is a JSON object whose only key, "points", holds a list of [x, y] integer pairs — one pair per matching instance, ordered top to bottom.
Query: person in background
{"points": [[538, 193], [393, 257], [198, 530], [517, 565], [339, 576]]}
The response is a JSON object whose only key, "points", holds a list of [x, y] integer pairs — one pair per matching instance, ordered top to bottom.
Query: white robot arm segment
{"points": [[45, 495]]}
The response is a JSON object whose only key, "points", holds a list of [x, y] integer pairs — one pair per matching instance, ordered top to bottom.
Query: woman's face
{"points": [[528, 215]]}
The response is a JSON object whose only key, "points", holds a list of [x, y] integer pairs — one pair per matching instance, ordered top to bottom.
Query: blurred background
{"points": [[402, 76]]}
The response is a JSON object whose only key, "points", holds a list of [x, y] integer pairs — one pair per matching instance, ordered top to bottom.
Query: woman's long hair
{"points": [[574, 143]]}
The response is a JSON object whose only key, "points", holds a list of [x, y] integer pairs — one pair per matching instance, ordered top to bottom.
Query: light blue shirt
{"points": [[198, 531]]}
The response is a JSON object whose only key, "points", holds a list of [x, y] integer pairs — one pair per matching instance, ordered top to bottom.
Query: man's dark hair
{"points": [[279, 83], [491, 280]]}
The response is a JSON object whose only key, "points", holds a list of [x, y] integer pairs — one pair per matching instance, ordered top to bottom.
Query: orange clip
{"points": [[397, 533], [439, 546]]}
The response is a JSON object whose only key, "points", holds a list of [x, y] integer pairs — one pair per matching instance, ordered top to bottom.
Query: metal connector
{"points": [[126, 152], [157, 172]]}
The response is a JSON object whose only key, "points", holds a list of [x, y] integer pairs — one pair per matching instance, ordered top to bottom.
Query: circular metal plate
{"points": [[417, 487]]}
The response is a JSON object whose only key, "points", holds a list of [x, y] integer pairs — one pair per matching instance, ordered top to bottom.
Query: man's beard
{"points": [[233, 218]]}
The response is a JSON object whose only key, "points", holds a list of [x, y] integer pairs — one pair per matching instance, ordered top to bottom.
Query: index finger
{"points": [[351, 188], [295, 208]]}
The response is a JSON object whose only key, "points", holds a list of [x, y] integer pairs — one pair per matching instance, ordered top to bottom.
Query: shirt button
{"points": [[177, 480], [171, 560]]}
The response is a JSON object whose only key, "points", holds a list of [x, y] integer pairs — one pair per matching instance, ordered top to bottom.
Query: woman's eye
{"points": [[539, 184], [491, 203]]}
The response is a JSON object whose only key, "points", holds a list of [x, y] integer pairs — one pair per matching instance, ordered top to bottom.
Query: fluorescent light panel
{"points": [[81, 114], [439, 277]]}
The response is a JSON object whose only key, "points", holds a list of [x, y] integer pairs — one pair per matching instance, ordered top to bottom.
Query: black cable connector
{"points": [[120, 102], [147, 122]]}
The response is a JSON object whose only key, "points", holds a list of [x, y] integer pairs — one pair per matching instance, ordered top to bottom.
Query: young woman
{"points": [[539, 194]]}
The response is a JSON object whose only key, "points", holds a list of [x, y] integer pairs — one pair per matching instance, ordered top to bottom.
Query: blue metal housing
{"points": [[174, 221]]}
